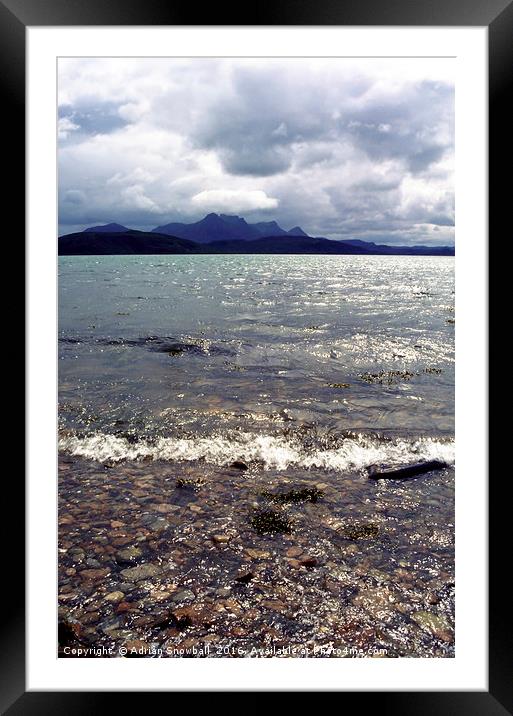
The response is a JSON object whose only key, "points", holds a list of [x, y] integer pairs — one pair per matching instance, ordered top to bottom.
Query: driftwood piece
{"points": [[402, 473]]}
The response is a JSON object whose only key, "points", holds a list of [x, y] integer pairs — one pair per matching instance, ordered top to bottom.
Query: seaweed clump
{"points": [[387, 377], [190, 483], [304, 494], [271, 522], [355, 532]]}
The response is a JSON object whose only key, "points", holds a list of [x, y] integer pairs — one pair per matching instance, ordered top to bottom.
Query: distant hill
{"points": [[223, 227], [106, 228], [126, 242], [143, 242], [284, 245], [311, 245], [369, 247]]}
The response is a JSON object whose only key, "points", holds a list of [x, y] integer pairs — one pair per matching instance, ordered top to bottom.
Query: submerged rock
{"points": [[294, 551], [258, 553], [130, 554], [142, 571], [94, 574], [223, 591], [185, 595], [434, 624]]}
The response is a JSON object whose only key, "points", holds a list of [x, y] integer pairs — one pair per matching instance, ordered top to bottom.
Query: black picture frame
{"points": [[497, 15]]}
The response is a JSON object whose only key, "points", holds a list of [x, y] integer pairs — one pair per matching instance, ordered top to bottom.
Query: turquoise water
{"points": [[218, 350]]}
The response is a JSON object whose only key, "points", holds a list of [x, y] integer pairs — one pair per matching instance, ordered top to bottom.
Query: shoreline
{"points": [[176, 559]]}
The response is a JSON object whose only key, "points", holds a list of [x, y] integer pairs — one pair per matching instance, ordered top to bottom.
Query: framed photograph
{"points": [[257, 301]]}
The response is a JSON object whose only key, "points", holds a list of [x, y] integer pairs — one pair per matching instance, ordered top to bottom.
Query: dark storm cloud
{"points": [[415, 128], [257, 129], [248, 160]]}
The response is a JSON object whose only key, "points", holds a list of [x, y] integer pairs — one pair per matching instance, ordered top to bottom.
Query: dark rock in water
{"points": [[191, 346], [173, 350], [129, 435], [239, 465], [401, 473], [271, 522], [308, 562], [244, 578], [181, 618], [69, 633]]}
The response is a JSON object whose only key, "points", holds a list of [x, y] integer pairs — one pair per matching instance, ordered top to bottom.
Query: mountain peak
{"points": [[232, 219], [104, 228], [297, 231]]}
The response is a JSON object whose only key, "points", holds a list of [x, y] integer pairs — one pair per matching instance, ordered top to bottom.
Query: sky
{"points": [[346, 148]]}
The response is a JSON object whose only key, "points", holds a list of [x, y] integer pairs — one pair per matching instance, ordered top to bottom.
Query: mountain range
{"points": [[222, 227], [224, 234]]}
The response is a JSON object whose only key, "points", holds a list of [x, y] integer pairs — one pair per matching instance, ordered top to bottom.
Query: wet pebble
{"points": [[142, 571], [185, 595]]}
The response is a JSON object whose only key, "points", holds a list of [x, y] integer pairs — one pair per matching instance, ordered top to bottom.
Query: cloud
{"points": [[90, 117], [65, 126], [345, 148], [76, 197], [135, 198], [231, 200]]}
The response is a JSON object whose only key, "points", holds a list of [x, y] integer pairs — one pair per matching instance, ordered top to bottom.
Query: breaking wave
{"points": [[269, 451]]}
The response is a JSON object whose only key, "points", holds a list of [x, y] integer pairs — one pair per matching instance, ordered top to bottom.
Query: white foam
{"points": [[273, 452]]}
